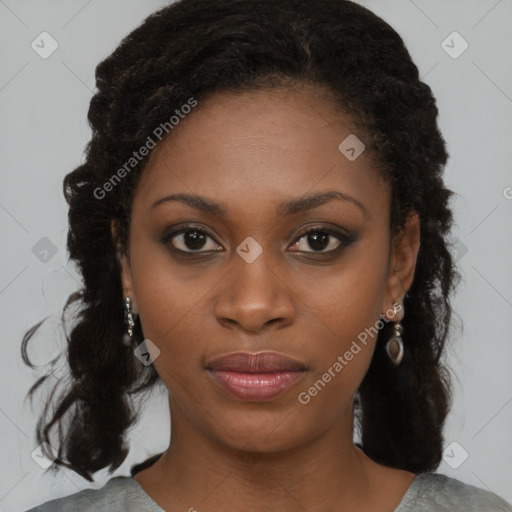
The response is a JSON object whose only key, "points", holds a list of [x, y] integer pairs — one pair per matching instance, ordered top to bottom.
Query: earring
{"points": [[129, 320], [395, 345]]}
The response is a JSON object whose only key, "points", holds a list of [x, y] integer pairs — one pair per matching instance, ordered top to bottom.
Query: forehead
{"points": [[258, 147]]}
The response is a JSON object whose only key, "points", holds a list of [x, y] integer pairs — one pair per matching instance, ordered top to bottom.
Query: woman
{"points": [[261, 226]]}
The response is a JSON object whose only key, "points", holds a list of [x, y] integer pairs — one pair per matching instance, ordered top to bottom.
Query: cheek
{"points": [[348, 297], [169, 308], [344, 312], [171, 318], [174, 326], [340, 358]]}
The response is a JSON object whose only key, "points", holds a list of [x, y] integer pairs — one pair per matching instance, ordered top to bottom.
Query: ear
{"points": [[404, 252], [126, 272]]}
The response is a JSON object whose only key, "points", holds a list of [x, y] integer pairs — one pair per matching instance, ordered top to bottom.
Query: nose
{"points": [[254, 297]]}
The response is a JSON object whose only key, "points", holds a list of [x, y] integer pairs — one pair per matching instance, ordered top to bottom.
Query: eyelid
{"points": [[330, 229]]}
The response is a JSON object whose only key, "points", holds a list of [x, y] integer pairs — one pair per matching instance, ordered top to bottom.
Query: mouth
{"points": [[255, 377]]}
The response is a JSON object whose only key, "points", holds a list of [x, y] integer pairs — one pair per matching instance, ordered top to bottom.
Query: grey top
{"points": [[428, 492]]}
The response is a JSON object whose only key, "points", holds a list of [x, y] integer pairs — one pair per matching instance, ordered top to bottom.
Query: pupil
{"points": [[194, 240], [318, 241]]}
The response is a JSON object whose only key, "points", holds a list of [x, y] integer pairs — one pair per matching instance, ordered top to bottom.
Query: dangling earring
{"points": [[127, 338], [395, 345]]}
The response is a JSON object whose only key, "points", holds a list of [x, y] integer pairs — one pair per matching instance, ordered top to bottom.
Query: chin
{"points": [[261, 431]]}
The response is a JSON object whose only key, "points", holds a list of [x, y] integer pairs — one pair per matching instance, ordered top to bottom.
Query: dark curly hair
{"points": [[191, 49]]}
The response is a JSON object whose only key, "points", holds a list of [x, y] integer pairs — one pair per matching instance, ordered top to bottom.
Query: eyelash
{"points": [[345, 238]]}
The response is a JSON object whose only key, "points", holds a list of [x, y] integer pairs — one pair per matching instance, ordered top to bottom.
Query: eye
{"points": [[190, 239], [323, 240]]}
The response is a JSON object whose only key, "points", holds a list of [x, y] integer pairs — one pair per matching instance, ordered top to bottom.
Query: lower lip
{"points": [[255, 387]]}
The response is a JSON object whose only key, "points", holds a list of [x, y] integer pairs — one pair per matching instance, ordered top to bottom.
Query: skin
{"points": [[252, 151]]}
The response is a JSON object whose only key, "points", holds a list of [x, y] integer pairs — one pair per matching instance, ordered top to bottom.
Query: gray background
{"points": [[43, 107]]}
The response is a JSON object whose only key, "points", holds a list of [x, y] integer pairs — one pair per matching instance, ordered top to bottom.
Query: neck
{"points": [[326, 473]]}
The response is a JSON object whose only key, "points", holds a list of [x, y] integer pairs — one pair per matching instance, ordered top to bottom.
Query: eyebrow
{"points": [[285, 208]]}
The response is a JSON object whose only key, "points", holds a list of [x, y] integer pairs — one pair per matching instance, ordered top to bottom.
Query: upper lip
{"points": [[251, 362]]}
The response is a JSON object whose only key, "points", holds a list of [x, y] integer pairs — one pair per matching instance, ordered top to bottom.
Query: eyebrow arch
{"points": [[285, 208]]}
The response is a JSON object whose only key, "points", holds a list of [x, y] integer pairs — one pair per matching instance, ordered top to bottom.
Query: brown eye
{"points": [[190, 240], [322, 240]]}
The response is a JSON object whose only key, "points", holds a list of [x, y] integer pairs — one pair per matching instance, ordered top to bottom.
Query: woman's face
{"points": [[252, 280]]}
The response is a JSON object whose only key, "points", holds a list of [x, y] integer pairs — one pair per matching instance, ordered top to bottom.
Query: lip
{"points": [[255, 377]]}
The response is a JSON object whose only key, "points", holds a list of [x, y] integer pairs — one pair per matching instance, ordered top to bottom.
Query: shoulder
{"points": [[436, 492], [120, 494]]}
